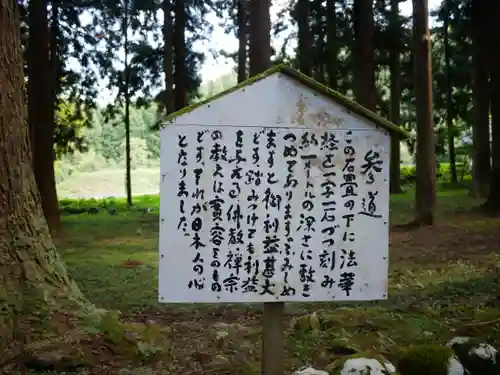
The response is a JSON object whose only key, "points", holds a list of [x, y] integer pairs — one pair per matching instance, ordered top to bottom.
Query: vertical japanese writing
{"points": [[329, 146], [218, 154], [290, 156], [370, 169], [253, 180], [349, 188], [182, 192], [198, 196], [271, 201], [274, 213], [306, 228], [234, 257]]}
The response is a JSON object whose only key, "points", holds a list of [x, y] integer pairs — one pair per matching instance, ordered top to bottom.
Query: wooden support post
{"points": [[273, 338]]}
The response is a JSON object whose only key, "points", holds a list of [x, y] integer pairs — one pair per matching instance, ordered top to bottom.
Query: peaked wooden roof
{"points": [[308, 82]]}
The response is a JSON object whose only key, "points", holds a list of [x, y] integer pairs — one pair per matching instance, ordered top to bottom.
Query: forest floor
{"points": [[444, 282]]}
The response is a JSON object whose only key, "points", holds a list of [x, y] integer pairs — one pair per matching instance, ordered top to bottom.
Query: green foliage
{"points": [[70, 125], [105, 147], [443, 173]]}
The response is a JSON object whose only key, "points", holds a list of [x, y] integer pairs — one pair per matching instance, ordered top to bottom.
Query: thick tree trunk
{"points": [[493, 20], [260, 36], [242, 40], [332, 44], [364, 54], [180, 55], [168, 67], [395, 76], [449, 98], [41, 110], [481, 126], [425, 195], [35, 283]]}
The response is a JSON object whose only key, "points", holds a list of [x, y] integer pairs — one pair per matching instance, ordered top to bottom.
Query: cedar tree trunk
{"points": [[302, 11], [493, 21], [260, 36], [242, 40], [332, 44], [364, 54], [180, 55], [168, 67], [395, 77], [449, 97], [481, 97], [41, 111], [425, 195], [34, 280]]}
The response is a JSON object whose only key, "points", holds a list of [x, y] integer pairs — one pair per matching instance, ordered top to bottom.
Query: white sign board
{"points": [[266, 214]]}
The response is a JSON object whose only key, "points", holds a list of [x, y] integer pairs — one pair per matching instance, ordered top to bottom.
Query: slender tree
{"points": [[302, 14], [260, 36], [318, 36], [242, 39], [332, 44], [180, 54], [364, 54], [260, 60], [168, 63], [395, 87], [449, 94], [126, 95], [41, 109], [481, 152], [425, 196], [492, 204], [34, 280]]}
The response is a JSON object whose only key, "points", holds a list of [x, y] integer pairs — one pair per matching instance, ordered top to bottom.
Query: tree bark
{"points": [[302, 13], [260, 36], [242, 40], [318, 41], [332, 45], [364, 54], [180, 55], [168, 67], [395, 84], [126, 94], [449, 97], [481, 98], [41, 110], [425, 195], [492, 204], [35, 283]]}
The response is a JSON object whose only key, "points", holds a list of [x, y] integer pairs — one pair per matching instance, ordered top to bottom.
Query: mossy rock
{"points": [[56, 354], [477, 357], [429, 360], [361, 364]]}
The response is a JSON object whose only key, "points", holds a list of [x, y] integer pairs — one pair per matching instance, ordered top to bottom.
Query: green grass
{"points": [[109, 182], [441, 280]]}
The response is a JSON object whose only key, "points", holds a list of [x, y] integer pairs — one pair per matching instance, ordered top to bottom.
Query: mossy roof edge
{"points": [[308, 82]]}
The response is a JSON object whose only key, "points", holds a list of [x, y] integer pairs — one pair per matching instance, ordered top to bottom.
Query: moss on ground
{"points": [[441, 280]]}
